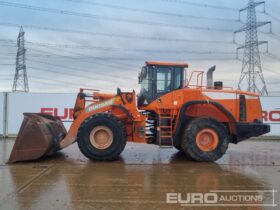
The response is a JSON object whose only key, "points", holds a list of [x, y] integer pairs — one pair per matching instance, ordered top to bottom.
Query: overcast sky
{"points": [[103, 44]]}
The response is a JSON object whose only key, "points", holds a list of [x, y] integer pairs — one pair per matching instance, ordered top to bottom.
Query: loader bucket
{"points": [[38, 136]]}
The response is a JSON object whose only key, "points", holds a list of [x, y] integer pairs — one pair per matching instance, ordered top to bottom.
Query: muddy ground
{"points": [[140, 179]]}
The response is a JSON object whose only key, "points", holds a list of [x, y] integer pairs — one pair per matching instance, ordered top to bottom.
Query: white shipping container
{"points": [[55, 104], [61, 105], [1, 112], [271, 114]]}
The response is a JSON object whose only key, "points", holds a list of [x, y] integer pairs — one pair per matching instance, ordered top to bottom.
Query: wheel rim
{"points": [[101, 137], [207, 140]]}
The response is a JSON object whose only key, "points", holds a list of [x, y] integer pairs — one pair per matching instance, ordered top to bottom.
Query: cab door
{"points": [[168, 79]]}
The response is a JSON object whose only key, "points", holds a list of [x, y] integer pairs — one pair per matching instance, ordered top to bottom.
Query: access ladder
{"points": [[165, 128]]}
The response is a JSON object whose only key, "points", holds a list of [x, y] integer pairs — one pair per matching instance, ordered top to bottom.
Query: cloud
{"points": [[115, 65]]}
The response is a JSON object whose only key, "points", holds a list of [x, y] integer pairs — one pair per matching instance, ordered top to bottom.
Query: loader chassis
{"points": [[200, 121]]}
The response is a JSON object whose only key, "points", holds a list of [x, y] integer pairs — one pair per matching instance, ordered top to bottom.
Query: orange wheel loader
{"points": [[198, 120]]}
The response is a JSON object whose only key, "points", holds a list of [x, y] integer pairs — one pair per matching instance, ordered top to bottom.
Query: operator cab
{"points": [[159, 78]]}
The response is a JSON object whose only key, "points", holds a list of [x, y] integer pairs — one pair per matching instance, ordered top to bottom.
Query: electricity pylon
{"points": [[20, 78], [251, 78]]}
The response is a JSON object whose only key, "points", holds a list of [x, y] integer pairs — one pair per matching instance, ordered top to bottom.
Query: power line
{"points": [[201, 5], [153, 12], [272, 16], [108, 18], [112, 35], [272, 35], [132, 37], [8, 41], [7, 45], [91, 47], [163, 51], [84, 56], [276, 57], [81, 58], [112, 59], [115, 59], [141, 59], [145, 59], [213, 59], [6, 64], [116, 64], [124, 66], [75, 69], [267, 69], [63, 73], [6, 79], [41, 81], [60, 82], [54, 83], [63, 83], [68, 83]]}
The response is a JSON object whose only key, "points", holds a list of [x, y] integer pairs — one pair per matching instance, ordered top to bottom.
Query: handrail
{"points": [[199, 78], [199, 82], [209, 88], [88, 89]]}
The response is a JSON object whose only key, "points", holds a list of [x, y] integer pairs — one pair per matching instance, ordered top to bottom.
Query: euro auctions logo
{"points": [[65, 114], [272, 116], [192, 198], [224, 198]]}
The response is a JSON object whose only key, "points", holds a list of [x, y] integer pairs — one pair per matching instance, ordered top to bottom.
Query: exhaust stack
{"points": [[210, 77]]}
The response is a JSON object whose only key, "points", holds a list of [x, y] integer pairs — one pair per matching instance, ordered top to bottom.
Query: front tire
{"points": [[102, 137], [205, 140]]}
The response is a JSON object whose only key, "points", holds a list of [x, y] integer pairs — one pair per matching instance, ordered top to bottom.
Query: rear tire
{"points": [[102, 137], [205, 140]]}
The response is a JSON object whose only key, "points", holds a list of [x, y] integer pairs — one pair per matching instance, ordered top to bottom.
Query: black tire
{"points": [[119, 137], [189, 145]]}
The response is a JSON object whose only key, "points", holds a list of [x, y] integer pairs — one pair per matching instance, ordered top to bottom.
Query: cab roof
{"points": [[160, 63]]}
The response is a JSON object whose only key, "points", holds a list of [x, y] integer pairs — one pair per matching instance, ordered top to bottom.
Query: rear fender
{"points": [[223, 114]]}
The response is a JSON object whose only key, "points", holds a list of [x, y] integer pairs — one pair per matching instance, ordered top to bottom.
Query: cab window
{"points": [[177, 78], [164, 79]]}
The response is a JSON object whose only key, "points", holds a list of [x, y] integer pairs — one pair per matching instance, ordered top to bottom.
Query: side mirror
{"points": [[144, 72], [139, 79], [119, 91]]}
